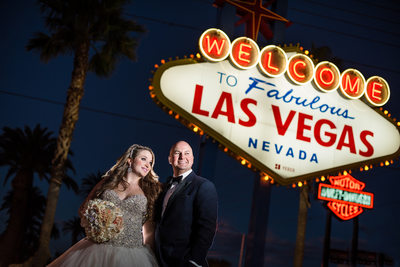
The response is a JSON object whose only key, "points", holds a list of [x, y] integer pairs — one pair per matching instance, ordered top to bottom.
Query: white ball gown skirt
{"points": [[125, 250], [87, 253]]}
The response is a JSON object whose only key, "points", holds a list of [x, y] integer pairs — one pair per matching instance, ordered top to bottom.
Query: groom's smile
{"points": [[181, 158]]}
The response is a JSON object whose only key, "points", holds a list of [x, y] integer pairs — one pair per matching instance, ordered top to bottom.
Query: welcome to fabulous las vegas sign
{"points": [[278, 112]]}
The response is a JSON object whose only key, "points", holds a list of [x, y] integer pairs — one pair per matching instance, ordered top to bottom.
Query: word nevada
{"points": [[273, 61]]}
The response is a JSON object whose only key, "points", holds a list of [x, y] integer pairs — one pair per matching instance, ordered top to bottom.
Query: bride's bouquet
{"points": [[103, 220]]}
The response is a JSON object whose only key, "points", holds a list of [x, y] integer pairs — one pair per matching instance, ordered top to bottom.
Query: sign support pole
{"points": [[208, 151], [304, 204], [258, 223], [327, 239], [354, 243]]}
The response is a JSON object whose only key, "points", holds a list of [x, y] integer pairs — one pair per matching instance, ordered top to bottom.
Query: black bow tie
{"points": [[176, 179]]}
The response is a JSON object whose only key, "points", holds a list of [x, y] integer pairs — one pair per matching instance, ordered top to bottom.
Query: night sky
{"points": [[118, 111]]}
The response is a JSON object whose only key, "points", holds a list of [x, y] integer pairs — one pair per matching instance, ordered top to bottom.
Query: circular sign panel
{"points": [[214, 45], [245, 53], [273, 61], [300, 69], [327, 76], [352, 83], [377, 91]]}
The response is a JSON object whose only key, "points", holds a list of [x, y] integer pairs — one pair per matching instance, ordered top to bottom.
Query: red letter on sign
{"points": [[214, 43], [244, 53], [269, 66], [299, 67], [326, 76], [351, 86], [376, 91], [225, 97], [197, 101], [245, 107], [301, 126], [282, 128], [347, 131], [317, 132], [370, 148]]}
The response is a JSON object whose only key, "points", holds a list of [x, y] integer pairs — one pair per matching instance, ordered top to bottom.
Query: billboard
{"points": [[277, 112]]}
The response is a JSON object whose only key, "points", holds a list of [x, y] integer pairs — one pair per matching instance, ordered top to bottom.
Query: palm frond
{"points": [[98, 22], [50, 46], [29, 149], [12, 170], [89, 182], [70, 183], [35, 214], [73, 226]]}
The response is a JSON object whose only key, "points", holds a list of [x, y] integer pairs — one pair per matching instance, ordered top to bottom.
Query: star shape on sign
{"points": [[255, 15]]}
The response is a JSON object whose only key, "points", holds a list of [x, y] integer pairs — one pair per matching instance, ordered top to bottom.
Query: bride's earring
{"points": [[129, 168]]}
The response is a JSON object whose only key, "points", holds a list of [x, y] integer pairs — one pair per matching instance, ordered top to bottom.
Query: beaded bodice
{"points": [[133, 209]]}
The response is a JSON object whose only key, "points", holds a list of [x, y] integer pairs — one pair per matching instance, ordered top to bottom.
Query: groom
{"points": [[186, 213]]}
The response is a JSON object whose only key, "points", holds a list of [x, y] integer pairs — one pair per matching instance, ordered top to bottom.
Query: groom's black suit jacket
{"points": [[186, 229]]}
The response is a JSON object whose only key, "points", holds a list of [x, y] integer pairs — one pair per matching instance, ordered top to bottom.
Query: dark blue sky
{"points": [[118, 112]]}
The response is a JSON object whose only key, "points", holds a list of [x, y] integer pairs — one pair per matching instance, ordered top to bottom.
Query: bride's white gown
{"points": [[125, 250]]}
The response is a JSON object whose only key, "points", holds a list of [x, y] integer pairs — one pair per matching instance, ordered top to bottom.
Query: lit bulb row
{"points": [[297, 48], [192, 56], [163, 61], [387, 114], [364, 168], [264, 177], [317, 180]]}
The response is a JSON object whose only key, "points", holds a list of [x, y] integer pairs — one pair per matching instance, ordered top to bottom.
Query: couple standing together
{"points": [[177, 220]]}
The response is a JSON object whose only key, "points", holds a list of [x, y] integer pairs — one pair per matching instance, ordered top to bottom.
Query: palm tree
{"points": [[83, 28], [26, 152], [89, 182], [35, 211], [74, 227]]}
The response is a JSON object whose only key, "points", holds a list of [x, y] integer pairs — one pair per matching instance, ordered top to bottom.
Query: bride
{"points": [[132, 186]]}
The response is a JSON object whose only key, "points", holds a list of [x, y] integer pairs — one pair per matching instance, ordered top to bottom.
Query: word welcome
{"points": [[273, 61]]}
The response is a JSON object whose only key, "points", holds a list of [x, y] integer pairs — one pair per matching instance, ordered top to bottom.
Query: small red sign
{"points": [[346, 196]]}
